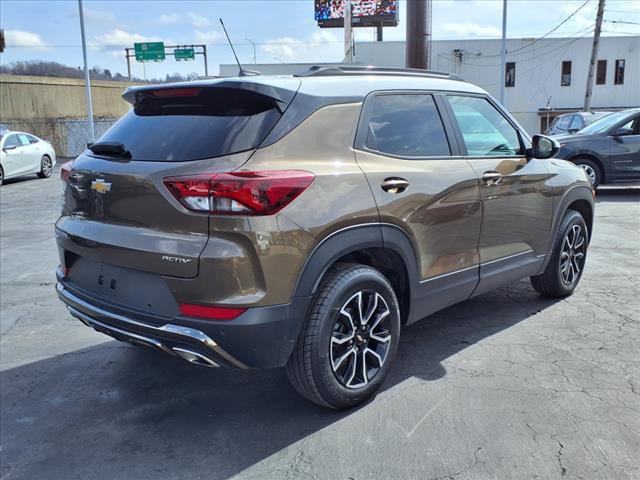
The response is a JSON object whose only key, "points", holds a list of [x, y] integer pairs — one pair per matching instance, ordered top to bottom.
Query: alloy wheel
{"points": [[46, 166], [591, 173], [574, 248], [360, 339]]}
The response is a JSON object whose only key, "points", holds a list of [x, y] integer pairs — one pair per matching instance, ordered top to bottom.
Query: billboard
{"points": [[365, 13]]}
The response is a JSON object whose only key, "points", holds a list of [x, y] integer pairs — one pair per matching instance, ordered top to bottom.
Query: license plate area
{"points": [[123, 287]]}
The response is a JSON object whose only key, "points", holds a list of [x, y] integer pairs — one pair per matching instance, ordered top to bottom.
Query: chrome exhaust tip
{"points": [[194, 357]]}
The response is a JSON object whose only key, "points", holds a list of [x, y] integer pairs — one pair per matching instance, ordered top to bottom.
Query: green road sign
{"points": [[149, 51], [184, 54]]}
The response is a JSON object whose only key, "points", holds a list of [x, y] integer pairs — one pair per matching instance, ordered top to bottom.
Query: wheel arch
{"points": [[594, 158], [579, 198], [386, 248]]}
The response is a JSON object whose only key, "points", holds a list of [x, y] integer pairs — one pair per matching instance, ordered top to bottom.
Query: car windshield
{"points": [[589, 119], [604, 124]]}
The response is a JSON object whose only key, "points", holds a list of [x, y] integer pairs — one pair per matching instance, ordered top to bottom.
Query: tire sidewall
{"points": [[367, 279]]}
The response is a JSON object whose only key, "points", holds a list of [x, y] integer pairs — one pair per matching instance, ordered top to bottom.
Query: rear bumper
{"points": [[261, 337]]}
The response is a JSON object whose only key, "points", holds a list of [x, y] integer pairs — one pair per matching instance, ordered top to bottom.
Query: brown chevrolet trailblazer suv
{"points": [[302, 221]]}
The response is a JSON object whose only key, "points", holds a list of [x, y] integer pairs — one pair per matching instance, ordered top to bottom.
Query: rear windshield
{"points": [[194, 124]]}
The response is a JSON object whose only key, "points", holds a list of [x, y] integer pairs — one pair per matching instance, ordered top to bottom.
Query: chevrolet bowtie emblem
{"points": [[100, 186]]}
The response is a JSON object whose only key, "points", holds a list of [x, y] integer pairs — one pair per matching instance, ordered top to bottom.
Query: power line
{"points": [[622, 21], [552, 30], [549, 52]]}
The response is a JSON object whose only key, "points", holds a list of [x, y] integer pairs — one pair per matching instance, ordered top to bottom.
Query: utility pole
{"points": [[348, 39], [254, 48], [503, 51], [416, 55], [594, 56], [87, 80]]}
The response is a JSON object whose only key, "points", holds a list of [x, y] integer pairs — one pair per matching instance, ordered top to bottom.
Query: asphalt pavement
{"points": [[507, 385]]}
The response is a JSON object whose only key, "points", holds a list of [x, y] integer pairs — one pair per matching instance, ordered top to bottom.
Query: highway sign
{"points": [[149, 51], [184, 54]]}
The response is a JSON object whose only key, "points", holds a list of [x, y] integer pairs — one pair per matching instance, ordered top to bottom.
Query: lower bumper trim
{"points": [[139, 333]]}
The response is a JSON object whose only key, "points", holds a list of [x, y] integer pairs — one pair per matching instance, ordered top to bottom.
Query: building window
{"points": [[601, 72], [510, 74], [618, 78], [565, 79]]}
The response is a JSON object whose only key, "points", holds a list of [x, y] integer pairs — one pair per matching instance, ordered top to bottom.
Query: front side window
{"points": [[601, 72], [619, 73], [510, 74], [565, 79], [406, 125], [486, 132], [12, 141]]}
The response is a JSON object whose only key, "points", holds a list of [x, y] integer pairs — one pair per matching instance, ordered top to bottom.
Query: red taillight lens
{"points": [[65, 171], [242, 193], [212, 313]]}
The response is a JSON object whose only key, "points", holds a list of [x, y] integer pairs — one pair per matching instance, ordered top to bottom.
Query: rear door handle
{"points": [[491, 177], [394, 185]]}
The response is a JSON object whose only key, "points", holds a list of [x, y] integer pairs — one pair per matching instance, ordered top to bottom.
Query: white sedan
{"points": [[23, 154]]}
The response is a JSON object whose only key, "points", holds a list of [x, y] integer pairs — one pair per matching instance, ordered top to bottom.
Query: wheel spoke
{"points": [[359, 303], [372, 310], [381, 339], [378, 357], [342, 358]]}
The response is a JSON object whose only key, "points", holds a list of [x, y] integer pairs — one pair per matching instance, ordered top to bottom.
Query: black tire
{"points": [[46, 167], [592, 169], [1, 176], [554, 281], [312, 367]]}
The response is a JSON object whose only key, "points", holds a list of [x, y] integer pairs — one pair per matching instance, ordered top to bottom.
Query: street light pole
{"points": [[503, 51], [87, 80]]}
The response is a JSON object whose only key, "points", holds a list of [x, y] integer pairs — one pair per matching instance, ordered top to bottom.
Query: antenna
{"points": [[241, 72]]}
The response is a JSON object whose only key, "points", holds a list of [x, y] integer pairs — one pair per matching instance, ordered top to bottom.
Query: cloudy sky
{"points": [[283, 31]]}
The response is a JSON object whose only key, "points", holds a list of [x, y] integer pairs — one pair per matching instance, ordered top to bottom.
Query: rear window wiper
{"points": [[110, 148]]}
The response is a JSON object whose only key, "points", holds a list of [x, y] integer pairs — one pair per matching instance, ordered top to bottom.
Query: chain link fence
{"points": [[69, 137]]}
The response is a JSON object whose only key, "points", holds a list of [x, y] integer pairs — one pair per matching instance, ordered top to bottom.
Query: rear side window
{"points": [[194, 123], [406, 125], [486, 132], [24, 139]]}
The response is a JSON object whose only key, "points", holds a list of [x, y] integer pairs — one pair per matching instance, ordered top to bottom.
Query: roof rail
{"points": [[342, 69]]}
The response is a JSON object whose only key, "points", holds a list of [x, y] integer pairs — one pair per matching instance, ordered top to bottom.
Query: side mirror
{"points": [[574, 130], [9, 147], [544, 147]]}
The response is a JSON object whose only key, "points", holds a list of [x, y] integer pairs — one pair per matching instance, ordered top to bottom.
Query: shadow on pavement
{"points": [[115, 411]]}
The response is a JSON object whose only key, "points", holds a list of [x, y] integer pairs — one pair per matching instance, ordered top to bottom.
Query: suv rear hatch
{"points": [[117, 211]]}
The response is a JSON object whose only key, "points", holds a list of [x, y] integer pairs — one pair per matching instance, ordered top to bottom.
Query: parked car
{"points": [[571, 123], [608, 149], [23, 154], [259, 222]]}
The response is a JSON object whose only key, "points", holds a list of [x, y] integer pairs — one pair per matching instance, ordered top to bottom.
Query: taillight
{"points": [[65, 171], [241, 193], [212, 313]]}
